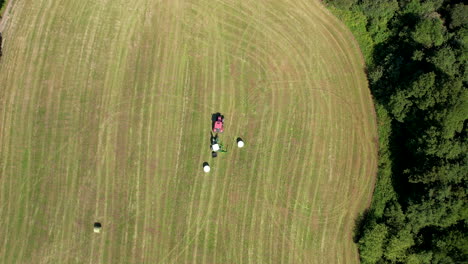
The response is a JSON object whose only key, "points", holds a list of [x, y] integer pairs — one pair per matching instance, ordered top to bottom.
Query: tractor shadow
{"points": [[214, 117], [213, 138]]}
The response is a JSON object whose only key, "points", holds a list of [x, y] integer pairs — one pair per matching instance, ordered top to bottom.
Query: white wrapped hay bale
{"points": [[240, 143], [215, 147], [206, 167], [97, 227]]}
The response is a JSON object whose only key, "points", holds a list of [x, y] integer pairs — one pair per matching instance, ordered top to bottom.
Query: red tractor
{"points": [[218, 123]]}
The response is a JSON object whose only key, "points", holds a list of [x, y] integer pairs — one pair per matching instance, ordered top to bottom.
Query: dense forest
{"points": [[416, 63]]}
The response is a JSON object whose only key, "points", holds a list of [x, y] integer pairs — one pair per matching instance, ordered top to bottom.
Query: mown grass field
{"points": [[105, 115]]}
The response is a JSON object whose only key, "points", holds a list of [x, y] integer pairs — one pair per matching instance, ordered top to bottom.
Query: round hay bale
{"points": [[240, 142], [215, 147], [206, 167], [97, 227]]}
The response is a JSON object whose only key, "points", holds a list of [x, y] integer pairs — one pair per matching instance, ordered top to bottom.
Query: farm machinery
{"points": [[217, 123]]}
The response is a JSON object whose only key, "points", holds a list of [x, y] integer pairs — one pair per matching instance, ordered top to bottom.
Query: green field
{"points": [[105, 115]]}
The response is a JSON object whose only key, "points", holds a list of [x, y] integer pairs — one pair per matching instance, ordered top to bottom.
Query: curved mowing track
{"points": [[105, 113]]}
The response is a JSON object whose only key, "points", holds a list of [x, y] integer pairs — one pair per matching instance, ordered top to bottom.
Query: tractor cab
{"points": [[218, 126]]}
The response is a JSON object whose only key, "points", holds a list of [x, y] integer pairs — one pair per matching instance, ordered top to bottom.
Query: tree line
{"points": [[416, 63]]}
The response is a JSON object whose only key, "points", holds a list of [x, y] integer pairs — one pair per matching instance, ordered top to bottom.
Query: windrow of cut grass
{"points": [[105, 113]]}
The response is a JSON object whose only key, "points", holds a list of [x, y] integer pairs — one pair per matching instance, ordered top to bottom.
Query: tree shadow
{"points": [[392, 70], [362, 220]]}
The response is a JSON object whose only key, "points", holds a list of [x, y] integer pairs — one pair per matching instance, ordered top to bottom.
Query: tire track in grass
{"points": [[335, 40], [227, 44], [174, 73], [165, 77], [213, 79], [186, 81], [160, 82], [361, 104], [163, 111], [146, 133], [103, 135], [180, 142], [28, 143], [112, 144], [5, 151], [327, 163], [41, 168], [71, 170], [259, 179], [300, 191], [27, 194], [256, 198], [195, 200], [148, 202], [209, 214], [258, 215], [286, 220], [254, 221], [190, 225], [293, 235], [286, 240], [66, 248], [138, 252]]}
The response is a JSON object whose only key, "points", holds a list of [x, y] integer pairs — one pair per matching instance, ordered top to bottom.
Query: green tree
{"points": [[420, 7], [379, 13], [459, 15], [429, 32], [418, 55], [444, 59], [418, 74], [419, 94], [456, 115], [431, 143], [448, 172], [383, 191], [433, 212], [394, 216], [372, 242], [453, 243], [398, 245], [420, 258], [442, 258]]}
